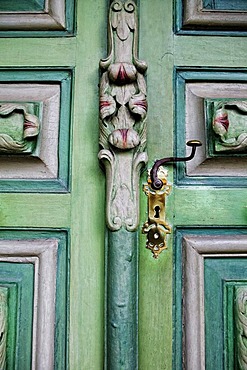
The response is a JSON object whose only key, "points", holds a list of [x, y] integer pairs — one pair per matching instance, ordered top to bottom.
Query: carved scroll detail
{"points": [[123, 108], [230, 124], [31, 126], [241, 325]]}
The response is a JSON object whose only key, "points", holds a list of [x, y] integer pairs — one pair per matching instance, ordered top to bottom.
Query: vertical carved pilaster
{"points": [[123, 108], [241, 325]]}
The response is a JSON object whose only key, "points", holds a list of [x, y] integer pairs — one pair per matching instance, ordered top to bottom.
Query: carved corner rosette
{"points": [[122, 111], [230, 125], [16, 137]]}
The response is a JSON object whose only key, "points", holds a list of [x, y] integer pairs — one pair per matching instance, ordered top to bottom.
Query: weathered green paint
{"points": [[191, 51], [87, 193], [210, 207], [40, 210], [155, 276], [121, 301]]}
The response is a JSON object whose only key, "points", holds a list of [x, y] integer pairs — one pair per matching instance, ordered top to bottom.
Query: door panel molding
{"points": [[53, 17], [192, 17], [194, 88], [47, 168], [34, 268], [201, 280]]}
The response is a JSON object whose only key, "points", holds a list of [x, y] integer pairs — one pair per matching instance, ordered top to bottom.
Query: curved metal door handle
{"points": [[157, 183]]}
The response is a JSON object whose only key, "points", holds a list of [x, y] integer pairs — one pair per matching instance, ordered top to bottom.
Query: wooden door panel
{"points": [[37, 18], [190, 70], [51, 75], [40, 100], [221, 160], [210, 270], [34, 271]]}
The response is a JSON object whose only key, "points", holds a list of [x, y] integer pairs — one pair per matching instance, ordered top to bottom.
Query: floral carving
{"points": [[122, 73], [123, 109], [230, 125], [31, 127]]}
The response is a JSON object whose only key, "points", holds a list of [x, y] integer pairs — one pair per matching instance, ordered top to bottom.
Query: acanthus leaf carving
{"points": [[123, 108], [230, 125], [30, 130]]}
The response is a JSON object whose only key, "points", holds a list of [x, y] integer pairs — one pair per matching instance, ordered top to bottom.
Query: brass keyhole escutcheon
{"points": [[156, 227]]}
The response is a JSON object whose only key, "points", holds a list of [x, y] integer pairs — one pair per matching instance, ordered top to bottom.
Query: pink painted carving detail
{"points": [[124, 138]]}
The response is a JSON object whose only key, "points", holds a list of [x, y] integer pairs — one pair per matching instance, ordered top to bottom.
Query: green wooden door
{"points": [[52, 191], [52, 198], [192, 298]]}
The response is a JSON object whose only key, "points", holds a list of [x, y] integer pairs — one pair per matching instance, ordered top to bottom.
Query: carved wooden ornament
{"points": [[123, 108], [230, 124], [10, 142]]}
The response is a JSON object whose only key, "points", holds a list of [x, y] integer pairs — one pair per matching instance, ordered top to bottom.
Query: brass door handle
{"points": [[157, 183], [157, 188]]}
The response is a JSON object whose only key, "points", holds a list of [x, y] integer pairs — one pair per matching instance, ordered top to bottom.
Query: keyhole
{"points": [[157, 212]]}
